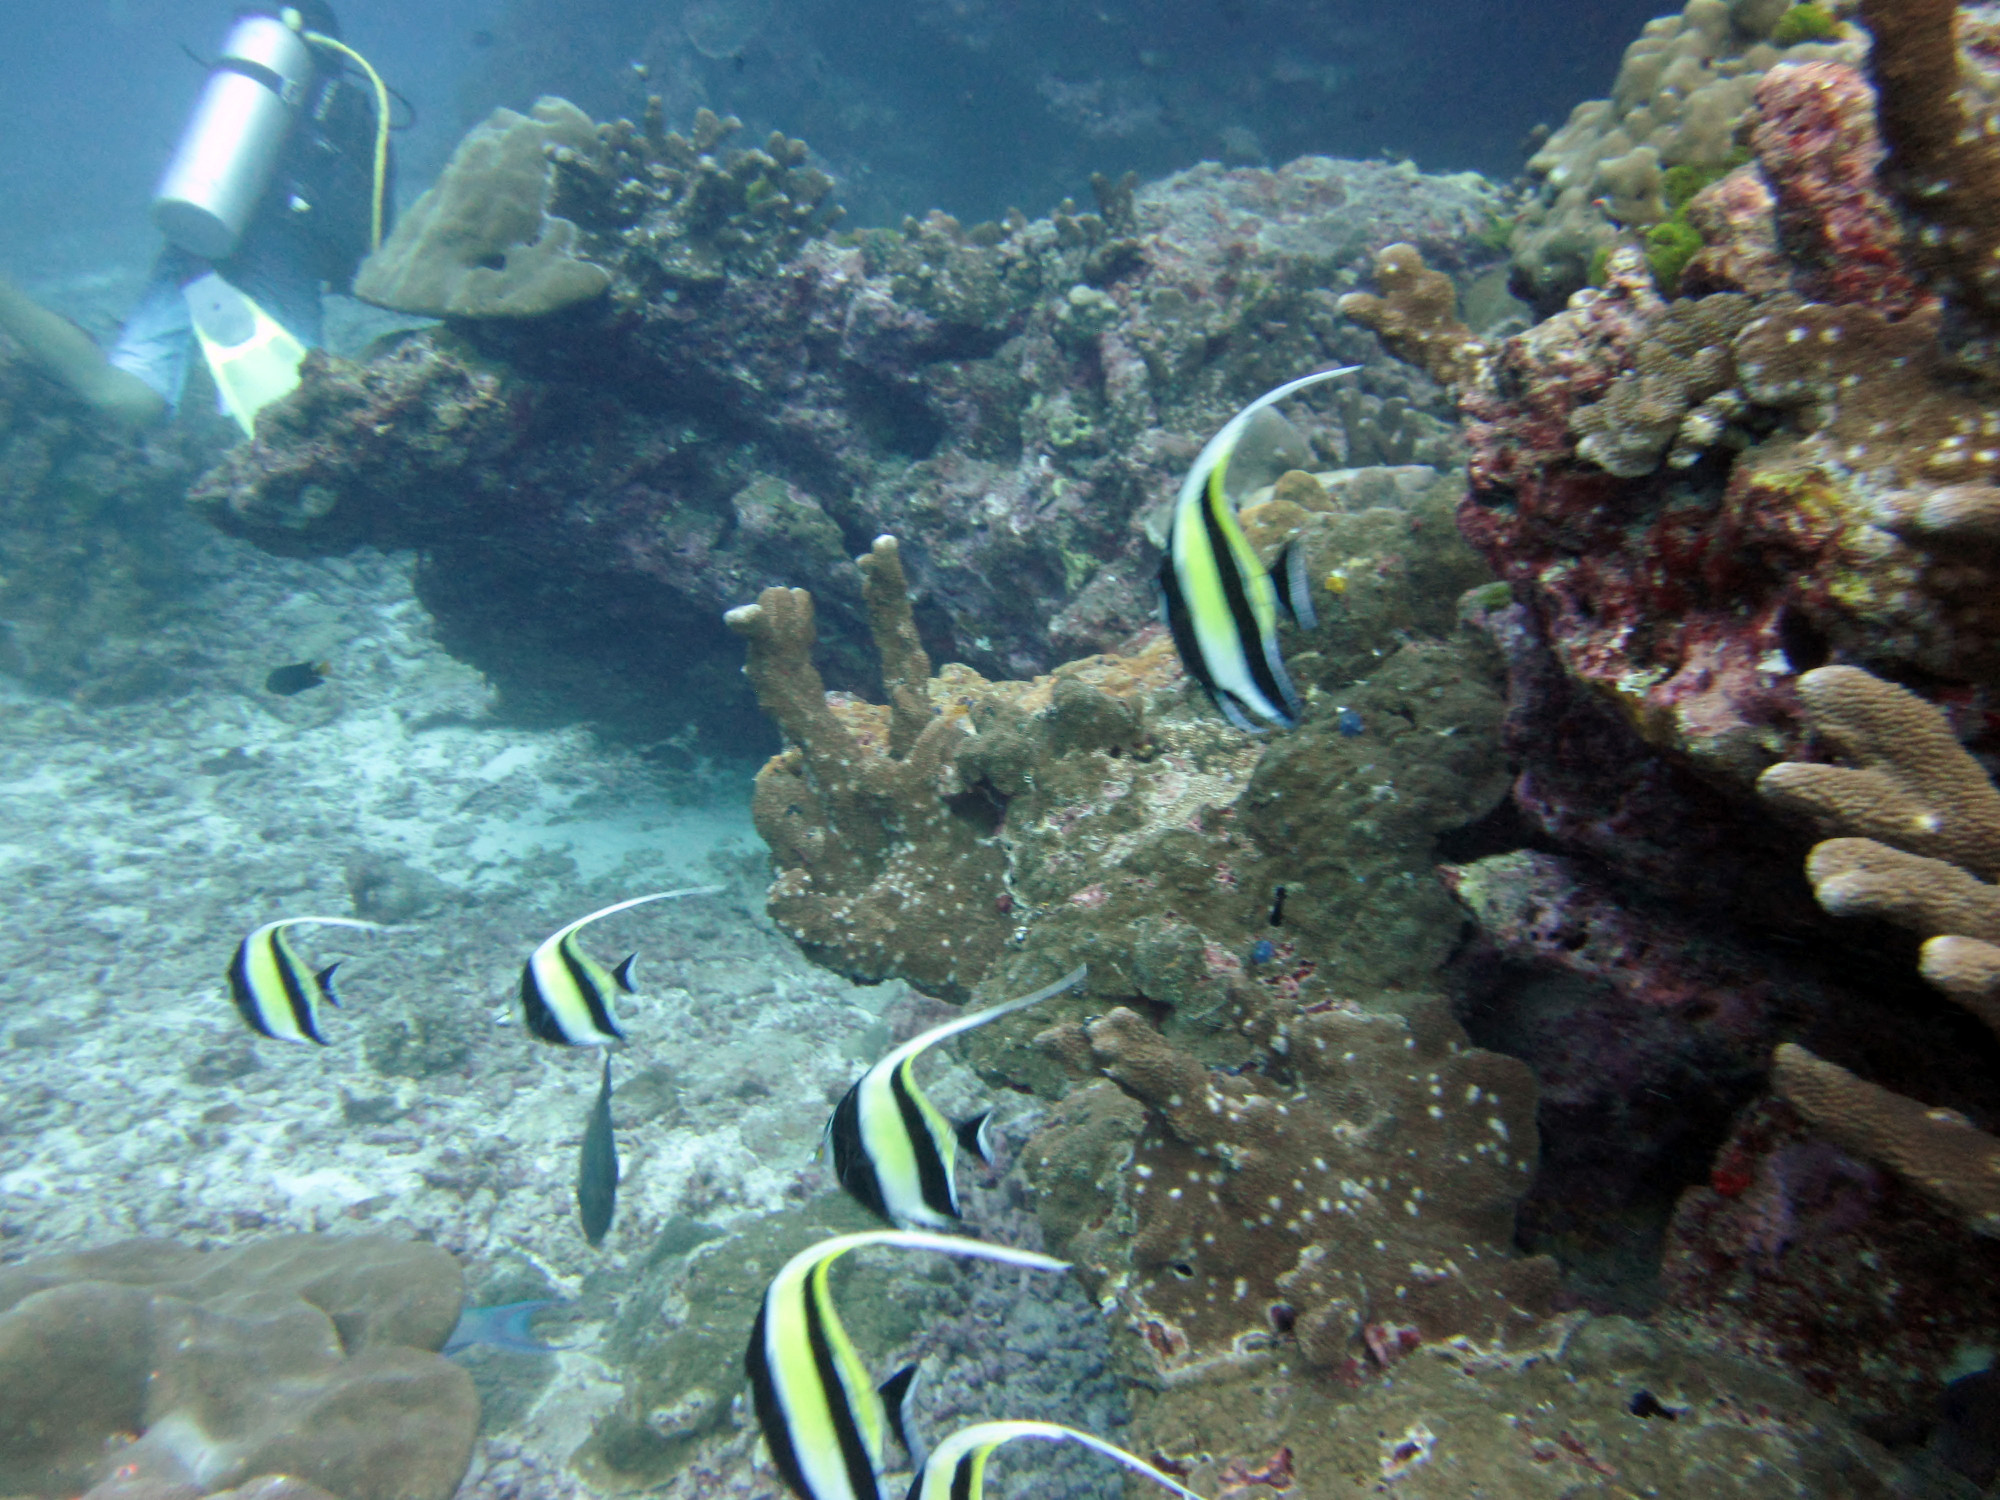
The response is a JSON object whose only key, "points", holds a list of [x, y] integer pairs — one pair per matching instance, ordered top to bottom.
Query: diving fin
{"points": [[253, 357]]}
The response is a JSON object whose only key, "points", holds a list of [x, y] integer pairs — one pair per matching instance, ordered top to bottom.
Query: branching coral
{"points": [[1944, 160], [1416, 316], [1920, 826], [884, 864]]}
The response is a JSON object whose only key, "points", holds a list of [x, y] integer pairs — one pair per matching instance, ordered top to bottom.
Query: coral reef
{"points": [[1682, 92], [1943, 166], [755, 398], [1704, 496], [1695, 499], [1043, 821], [1917, 842], [1794, 1251], [310, 1356], [1602, 1405]]}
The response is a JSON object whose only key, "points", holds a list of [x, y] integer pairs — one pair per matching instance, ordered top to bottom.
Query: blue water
{"points": [[968, 106]]}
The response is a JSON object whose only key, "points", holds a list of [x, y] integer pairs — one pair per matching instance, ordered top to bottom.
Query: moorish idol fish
{"points": [[1218, 601], [272, 987], [567, 993], [892, 1150], [597, 1167], [822, 1419], [956, 1468]]}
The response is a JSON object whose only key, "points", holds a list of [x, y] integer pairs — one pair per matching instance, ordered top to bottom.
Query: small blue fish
{"points": [[1348, 722], [1262, 952], [502, 1327]]}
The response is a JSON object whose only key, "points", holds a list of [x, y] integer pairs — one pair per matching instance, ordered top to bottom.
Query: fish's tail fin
{"points": [[632, 901], [625, 971], [324, 979], [976, 1135], [894, 1392]]}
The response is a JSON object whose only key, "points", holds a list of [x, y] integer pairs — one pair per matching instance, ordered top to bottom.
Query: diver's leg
{"points": [[156, 345], [71, 356]]}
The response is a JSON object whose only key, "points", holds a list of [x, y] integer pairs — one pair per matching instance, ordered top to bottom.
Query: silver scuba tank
{"points": [[230, 147]]}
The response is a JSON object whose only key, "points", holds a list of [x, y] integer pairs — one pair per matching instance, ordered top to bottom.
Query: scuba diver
{"points": [[279, 188]]}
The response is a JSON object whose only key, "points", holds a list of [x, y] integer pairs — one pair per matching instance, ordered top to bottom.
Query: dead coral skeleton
{"points": [[1920, 843]]}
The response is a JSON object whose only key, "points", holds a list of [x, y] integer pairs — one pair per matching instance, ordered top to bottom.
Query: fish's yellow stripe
{"points": [[891, 1150], [862, 1398], [810, 1410]]}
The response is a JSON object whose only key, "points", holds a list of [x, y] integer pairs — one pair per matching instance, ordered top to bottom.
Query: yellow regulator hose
{"points": [[320, 39]]}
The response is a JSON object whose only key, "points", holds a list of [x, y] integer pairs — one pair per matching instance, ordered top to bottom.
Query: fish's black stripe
{"points": [[1235, 592], [1180, 624], [295, 991], [244, 994], [593, 997], [541, 1015], [852, 1164], [933, 1180], [771, 1410], [860, 1468], [961, 1477]]}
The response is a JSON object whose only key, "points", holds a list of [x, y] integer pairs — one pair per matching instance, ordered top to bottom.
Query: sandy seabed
{"points": [[139, 843]]}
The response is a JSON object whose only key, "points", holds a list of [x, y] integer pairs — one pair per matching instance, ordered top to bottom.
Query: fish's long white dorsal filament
{"points": [[1215, 453], [625, 905], [957, 1024], [982, 1438]]}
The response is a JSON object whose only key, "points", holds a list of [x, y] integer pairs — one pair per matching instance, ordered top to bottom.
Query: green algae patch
{"points": [[1805, 23]]}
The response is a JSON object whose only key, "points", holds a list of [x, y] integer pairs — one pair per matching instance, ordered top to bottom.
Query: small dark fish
{"points": [[482, 38], [300, 675], [1348, 722], [1278, 908], [1262, 952], [597, 1167], [502, 1327]]}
